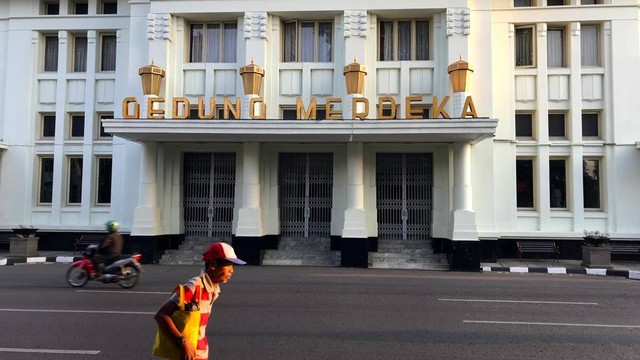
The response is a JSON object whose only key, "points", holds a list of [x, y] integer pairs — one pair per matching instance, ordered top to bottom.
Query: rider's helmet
{"points": [[112, 225]]}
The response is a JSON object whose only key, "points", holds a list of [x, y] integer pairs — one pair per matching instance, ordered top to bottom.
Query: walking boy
{"points": [[218, 268]]}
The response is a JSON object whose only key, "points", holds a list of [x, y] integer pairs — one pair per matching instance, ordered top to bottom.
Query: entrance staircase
{"points": [[189, 252], [302, 252], [407, 254]]}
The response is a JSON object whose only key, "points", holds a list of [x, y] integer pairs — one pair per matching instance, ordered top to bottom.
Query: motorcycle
{"points": [[125, 271]]}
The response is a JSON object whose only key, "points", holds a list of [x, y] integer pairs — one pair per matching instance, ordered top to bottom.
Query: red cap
{"points": [[220, 250]]}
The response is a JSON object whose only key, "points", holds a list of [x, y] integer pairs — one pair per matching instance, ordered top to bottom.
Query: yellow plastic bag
{"points": [[187, 322]]}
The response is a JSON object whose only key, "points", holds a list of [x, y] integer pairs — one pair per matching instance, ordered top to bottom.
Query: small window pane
{"points": [[555, 2], [588, 2], [522, 3], [51, 8], [81, 8], [109, 8], [214, 34], [307, 36], [386, 40], [404, 40], [422, 40], [325, 41], [290, 42], [229, 44], [589, 44], [524, 46], [555, 48], [51, 53], [80, 54], [108, 60], [289, 114], [524, 125], [556, 125], [48, 126], [77, 126], [590, 126], [104, 134], [75, 180], [104, 180], [46, 181], [524, 183], [558, 183], [591, 183]]}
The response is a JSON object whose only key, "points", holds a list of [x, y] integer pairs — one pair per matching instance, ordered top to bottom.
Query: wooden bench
{"points": [[86, 240], [542, 247], [624, 248]]}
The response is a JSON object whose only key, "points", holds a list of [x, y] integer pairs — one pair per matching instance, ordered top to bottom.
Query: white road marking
{"points": [[36, 260], [518, 269], [557, 270], [599, 272], [634, 275], [126, 292], [522, 301], [80, 311], [551, 324], [51, 351]]}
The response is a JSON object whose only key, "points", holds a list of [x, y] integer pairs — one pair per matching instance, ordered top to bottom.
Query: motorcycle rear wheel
{"points": [[77, 276], [130, 277]]}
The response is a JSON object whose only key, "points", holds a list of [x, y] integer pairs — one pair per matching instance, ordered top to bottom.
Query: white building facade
{"points": [[542, 144]]}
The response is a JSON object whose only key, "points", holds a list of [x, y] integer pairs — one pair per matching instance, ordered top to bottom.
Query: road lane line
{"points": [[125, 292], [522, 301], [80, 311], [550, 324], [51, 351]]}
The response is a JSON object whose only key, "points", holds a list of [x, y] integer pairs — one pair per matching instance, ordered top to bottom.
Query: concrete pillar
{"points": [[250, 214], [354, 215], [146, 217]]}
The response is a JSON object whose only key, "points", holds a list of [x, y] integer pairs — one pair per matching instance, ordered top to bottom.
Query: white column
{"points": [[458, 103], [250, 214], [354, 216], [146, 217], [463, 218]]}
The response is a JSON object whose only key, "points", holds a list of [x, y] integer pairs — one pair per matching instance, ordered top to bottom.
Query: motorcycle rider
{"points": [[111, 246]]}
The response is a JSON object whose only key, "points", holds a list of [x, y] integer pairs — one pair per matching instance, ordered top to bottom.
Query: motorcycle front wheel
{"points": [[77, 276], [130, 277]]}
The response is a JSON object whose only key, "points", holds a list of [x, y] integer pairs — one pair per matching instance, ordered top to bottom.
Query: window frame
{"points": [[563, 3], [531, 4], [73, 7], [101, 8], [47, 11], [394, 30], [298, 41], [598, 45], [221, 46], [533, 48], [102, 51], [44, 53], [73, 53], [563, 60], [99, 117], [71, 118], [564, 123], [533, 125], [598, 126], [41, 135], [599, 161], [69, 164], [534, 183], [567, 183], [97, 185], [39, 191]]}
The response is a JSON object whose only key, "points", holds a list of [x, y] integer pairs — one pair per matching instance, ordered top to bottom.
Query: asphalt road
{"points": [[288, 313]]}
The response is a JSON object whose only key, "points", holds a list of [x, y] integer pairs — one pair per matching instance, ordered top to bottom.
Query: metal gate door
{"points": [[306, 192], [209, 193], [404, 199]]}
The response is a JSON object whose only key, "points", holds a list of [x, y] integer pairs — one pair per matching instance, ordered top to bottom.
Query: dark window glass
{"points": [[555, 2], [588, 2], [521, 3], [109, 7], [52, 8], [81, 8], [422, 40], [524, 46], [51, 53], [80, 54], [108, 54], [321, 113], [425, 113], [289, 114], [524, 125], [556, 125], [48, 126], [77, 126], [590, 126], [102, 132], [46, 180], [75, 180], [104, 180], [524, 183], [558, 183], [591, 183]]}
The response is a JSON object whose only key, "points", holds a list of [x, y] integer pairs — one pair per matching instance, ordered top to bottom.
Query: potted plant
{"points": [[25, 241], [595, 250]]}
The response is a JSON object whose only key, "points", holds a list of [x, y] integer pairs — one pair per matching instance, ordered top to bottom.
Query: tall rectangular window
{"points": [[108, 7], [403, 40], [308, 41], [213, 43], [589, 45], [524, 46], [555, 48], [51, 53], [108, 53], [80, 54], [524, 125], [557, 125], [590, 125], [76, 126], [48, 127], [101, 133], [524, 183], [558, 183], [591, 183], [74, 190], [103, 191], [45, 193]]}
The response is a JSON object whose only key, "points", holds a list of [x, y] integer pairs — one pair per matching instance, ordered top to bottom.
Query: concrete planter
{"points": [[23, 246], [596, 256]]}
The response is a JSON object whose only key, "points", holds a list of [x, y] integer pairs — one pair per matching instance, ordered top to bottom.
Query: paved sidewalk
{"points": [[628, 269]]}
